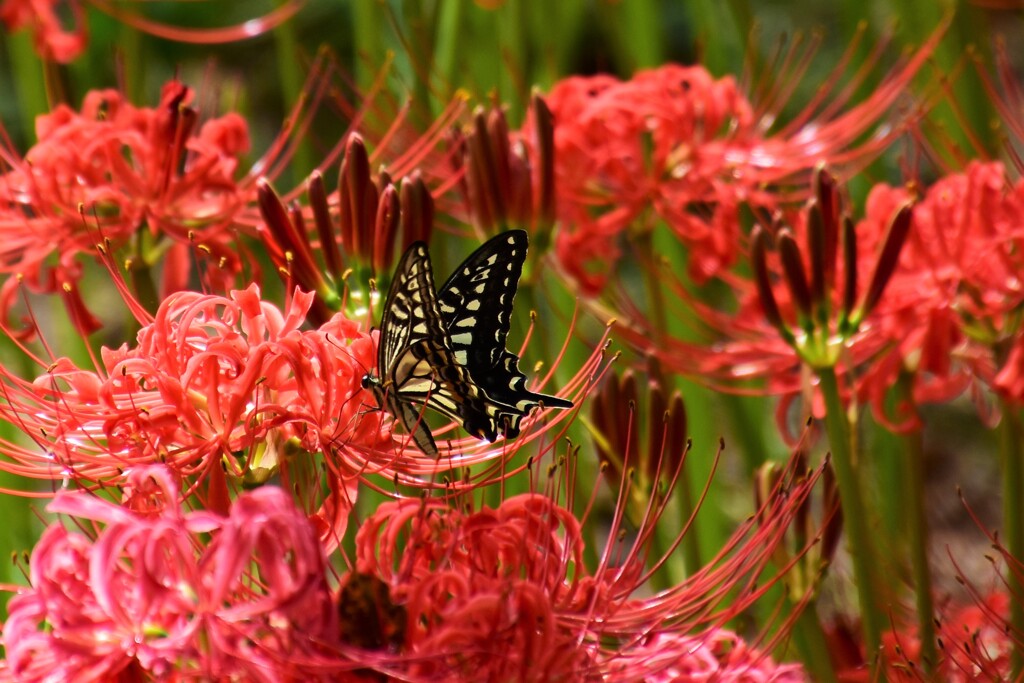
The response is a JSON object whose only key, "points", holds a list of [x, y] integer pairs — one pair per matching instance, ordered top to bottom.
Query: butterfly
{"points": [[446, 349]]}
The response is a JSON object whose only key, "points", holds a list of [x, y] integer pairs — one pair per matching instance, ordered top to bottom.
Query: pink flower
{"points": [[149, 594], [718, 656]]}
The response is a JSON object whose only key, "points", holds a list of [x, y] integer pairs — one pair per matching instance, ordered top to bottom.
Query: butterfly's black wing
{"points": [[476, 301], [476, 304], [417, 363]]}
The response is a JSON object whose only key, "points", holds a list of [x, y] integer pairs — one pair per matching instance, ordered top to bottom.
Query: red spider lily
{"points": [[54, 41], [674, 143], [622, 147], [108, 173], [154, 181], [501, 184], [371, 213], [968, 247], [810, 303], [953, 308], [948, 316], [209, 378], [234, 385], [213, 386], [158, 590], [505, 593], [154, 595], [976, 636], [973, 640], [718, 655]]}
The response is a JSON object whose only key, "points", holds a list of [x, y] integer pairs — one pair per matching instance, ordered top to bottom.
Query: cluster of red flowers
{"points": [[661, 141], [677, 146], [115, 173], [953, 304], [948, 315], [220, 456], [435, 594], [974, 645]]}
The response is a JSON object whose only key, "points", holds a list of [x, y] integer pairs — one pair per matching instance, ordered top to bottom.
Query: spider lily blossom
{"points": [[676, 144], [119, 174], [505, 180], [371, 213], [810, 302], [232, 386], [215, 387], [149, 588], [507, 590], [165, 592]]}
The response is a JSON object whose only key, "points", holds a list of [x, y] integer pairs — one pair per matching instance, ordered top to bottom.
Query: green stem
{"points": [[368, 38], [447, 67], [290, 78], [28, 90], [854, 517], [1013, 522], [918, 536], [810, 641]]}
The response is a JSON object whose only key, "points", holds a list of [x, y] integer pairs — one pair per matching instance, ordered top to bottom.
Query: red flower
{"points": [[52, 40], [675, 144], [622, 147], [109, 173], [813, 300], [951, 311], [213, 384], [234, 386], [482, 591], [505, 592], [149, 594], [975, 644], [718, 655]]}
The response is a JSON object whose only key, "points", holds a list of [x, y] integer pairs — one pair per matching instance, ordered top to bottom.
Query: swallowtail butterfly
{"points": [[446, 350]]}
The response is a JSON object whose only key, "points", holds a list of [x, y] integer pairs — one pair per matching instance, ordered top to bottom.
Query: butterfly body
{"points": [[446, 349]]}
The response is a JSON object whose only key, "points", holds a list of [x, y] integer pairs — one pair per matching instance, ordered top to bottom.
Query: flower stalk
{"points": [[819, 338], [1011, 452], [855, 516], [917, 521], [810, 549]]}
